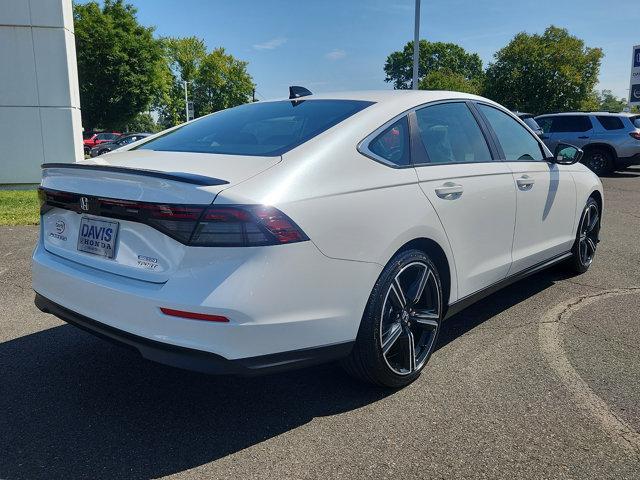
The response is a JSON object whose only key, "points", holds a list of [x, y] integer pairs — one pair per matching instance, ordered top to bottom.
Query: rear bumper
{"points": [[280, 299], [197, 360]]}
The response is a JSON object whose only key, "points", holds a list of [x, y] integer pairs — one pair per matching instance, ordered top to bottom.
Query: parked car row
{"points": [[120, 141], [610, 141], [97, 143]]}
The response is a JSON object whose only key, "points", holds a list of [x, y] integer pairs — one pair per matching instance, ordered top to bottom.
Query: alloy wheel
{"points": [[597, 163], [588, 234], [410, 318]]}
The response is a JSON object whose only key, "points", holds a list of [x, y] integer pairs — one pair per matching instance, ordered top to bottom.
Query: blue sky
{"points": [[342, 45]]}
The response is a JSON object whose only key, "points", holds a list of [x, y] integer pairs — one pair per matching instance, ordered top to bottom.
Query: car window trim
{"points": [[485, 134], [415, 141], [502, 156]]}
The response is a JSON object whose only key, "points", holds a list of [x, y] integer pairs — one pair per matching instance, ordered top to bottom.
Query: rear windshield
{"points": [[270, 128]]}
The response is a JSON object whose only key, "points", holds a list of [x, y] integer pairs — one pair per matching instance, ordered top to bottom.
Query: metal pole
{"points": [[416, 47], [186, 102]]}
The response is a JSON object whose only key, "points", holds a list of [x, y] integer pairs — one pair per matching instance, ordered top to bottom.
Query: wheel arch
{"points": [[603, 146], [597, 196], [439, 257]]}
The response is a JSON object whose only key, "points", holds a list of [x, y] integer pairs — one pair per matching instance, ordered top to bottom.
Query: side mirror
{"points": [[566, 154]]}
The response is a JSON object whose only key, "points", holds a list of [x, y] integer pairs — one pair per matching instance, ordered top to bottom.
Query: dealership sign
{"points": [[634, 87]]}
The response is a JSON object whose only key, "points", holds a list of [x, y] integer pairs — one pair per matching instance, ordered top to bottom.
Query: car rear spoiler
{"points": [[175, 176]]}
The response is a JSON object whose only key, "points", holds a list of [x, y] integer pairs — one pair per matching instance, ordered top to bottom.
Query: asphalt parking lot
{"points": [[541, 380]]}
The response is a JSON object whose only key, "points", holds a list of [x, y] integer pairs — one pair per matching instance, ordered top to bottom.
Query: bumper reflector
{"points": [[193, 316]]}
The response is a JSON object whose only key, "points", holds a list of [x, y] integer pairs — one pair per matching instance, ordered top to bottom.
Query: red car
{"points": [[91, 139]]}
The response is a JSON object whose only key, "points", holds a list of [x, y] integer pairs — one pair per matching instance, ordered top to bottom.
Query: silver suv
{"points": [[611, 141]]}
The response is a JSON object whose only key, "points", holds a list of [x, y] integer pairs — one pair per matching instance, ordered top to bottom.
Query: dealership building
{"points": [[39, 95]]}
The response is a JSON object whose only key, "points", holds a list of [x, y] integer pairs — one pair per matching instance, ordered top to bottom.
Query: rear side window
{"points": [[636, 121], [531, 123], [545, 123], [570, 123], [610, 123], [270, 128], [450, 134], [516, 141], [393, 143]]}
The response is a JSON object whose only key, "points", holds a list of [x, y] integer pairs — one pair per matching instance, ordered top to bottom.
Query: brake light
{"points": [[635, 134], [196, 225], [245, 226]]}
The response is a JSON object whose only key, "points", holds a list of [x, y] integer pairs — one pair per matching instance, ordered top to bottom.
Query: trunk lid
{"points": [[122, 187]]}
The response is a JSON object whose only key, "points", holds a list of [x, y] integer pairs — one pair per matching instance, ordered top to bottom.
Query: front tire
{"points": [[587, 238], [401, 322]]}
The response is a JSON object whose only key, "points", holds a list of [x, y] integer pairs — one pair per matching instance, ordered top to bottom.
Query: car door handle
{"points": [[584, 137], [525, 182], [449, 191]]}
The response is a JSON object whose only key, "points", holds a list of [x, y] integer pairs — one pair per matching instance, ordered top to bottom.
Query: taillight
{"points": [[635, 135], [177, 221], [196, 225], [245, 226]]}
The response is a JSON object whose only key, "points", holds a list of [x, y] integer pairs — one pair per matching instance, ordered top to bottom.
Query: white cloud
{"points": [[271, 44], [335, 55]]}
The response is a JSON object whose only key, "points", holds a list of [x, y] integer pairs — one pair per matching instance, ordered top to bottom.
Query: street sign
{"points": [[634, 85], [190, 110]]}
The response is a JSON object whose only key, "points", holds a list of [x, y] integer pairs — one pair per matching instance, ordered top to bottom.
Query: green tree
{"points": [[184, 56], [434, 56], [181, 61], [117, 63], [554, 71], [216, 79], [446, 80], [221, 82], [608, 102], [143, 122]]}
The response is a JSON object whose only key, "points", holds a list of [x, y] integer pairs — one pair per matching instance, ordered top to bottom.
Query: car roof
{"points": [[390, 96], [390, 103], [600, 114]]}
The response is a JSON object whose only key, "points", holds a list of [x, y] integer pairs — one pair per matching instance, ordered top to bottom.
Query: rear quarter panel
{"points": [[352, 207]]}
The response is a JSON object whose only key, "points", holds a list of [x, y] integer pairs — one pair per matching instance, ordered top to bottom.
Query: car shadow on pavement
{"points": [[623, 174], [492, 305], [74, 406]]}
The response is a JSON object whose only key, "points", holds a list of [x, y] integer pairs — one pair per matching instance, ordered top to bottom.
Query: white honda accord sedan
{"points": [[286, 233]]}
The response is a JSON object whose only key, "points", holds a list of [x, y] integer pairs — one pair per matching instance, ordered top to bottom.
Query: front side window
{"points": [[610, 122], [269, 128], [450, 134], [517, 142], [393, 143]]}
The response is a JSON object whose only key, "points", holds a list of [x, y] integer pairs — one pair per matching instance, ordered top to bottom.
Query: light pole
{"points": [[416, 47]]}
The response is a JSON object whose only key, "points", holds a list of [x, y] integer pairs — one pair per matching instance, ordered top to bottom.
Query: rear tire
{"points": [[599, 161], [587, 238], [400, 324]]}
